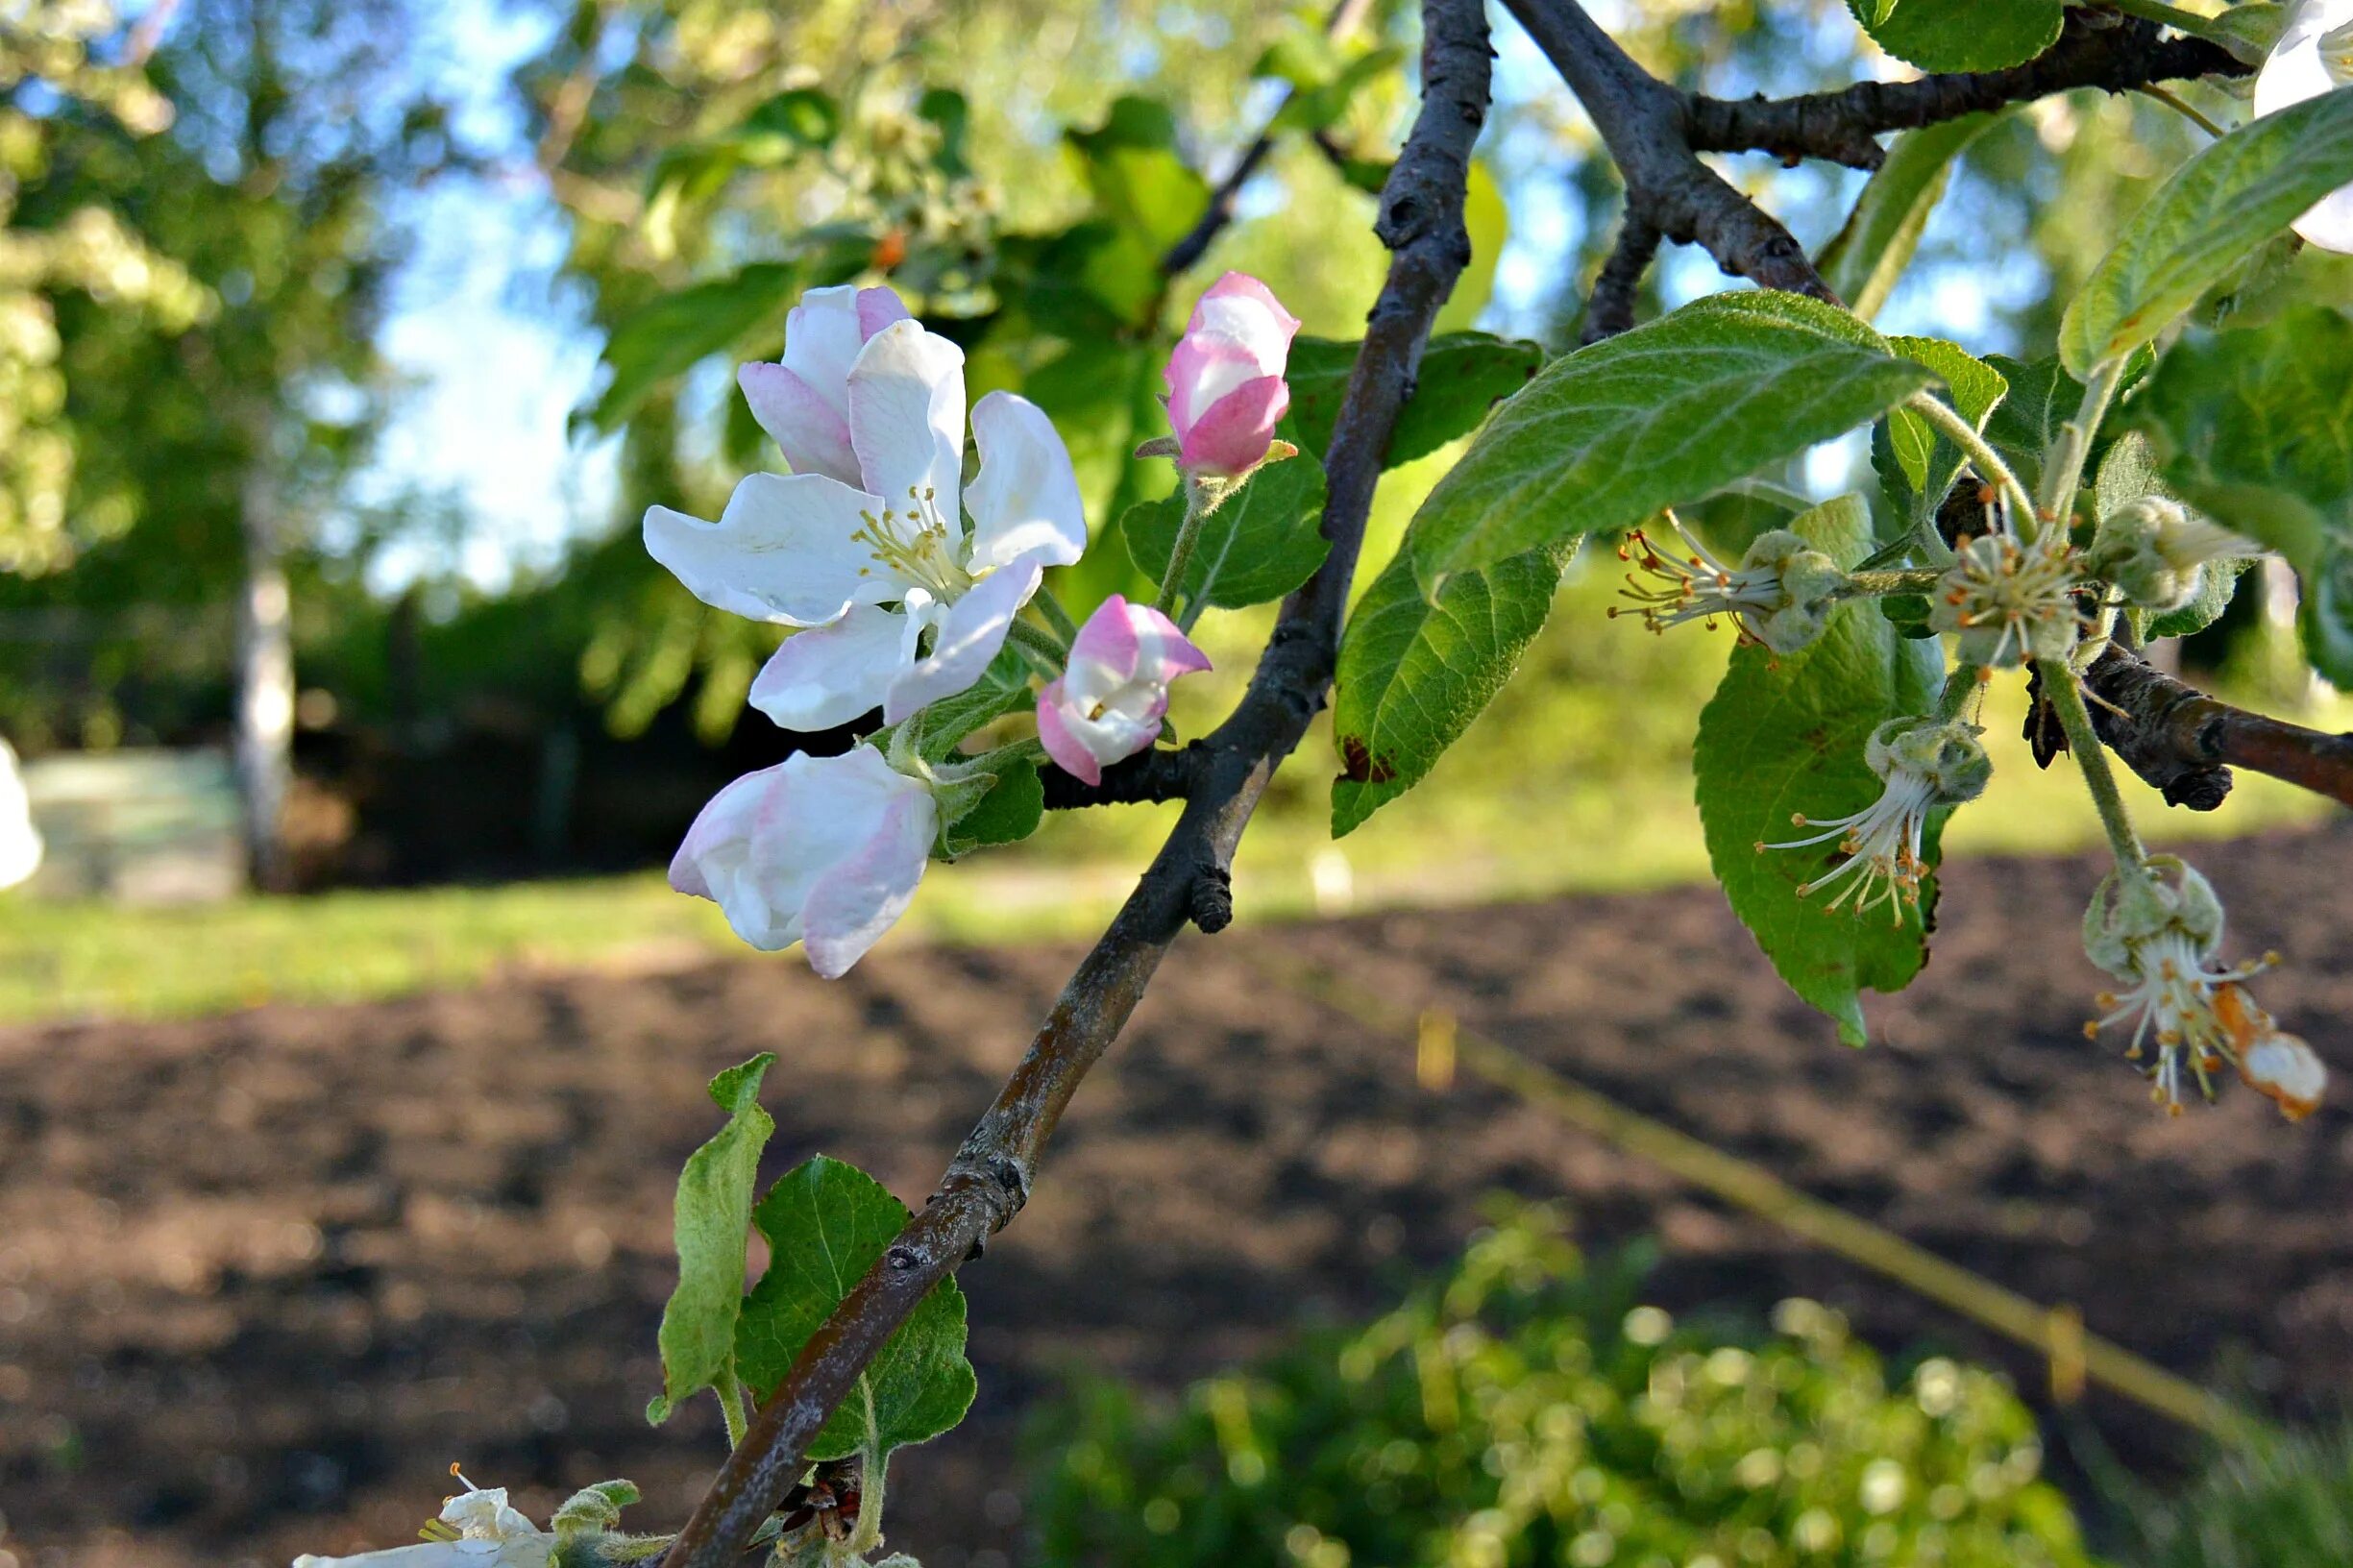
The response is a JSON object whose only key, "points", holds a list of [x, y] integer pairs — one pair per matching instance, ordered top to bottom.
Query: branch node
{"points": [[1210, 900]]}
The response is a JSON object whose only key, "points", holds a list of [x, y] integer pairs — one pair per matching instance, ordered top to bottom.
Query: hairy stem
{"points": [[1981, 454], [2063, 465], [1200, 500], [1880, 584], [1055, 616], [1049, 652], [1964, 682], [2065, 697], [732, 1404]]}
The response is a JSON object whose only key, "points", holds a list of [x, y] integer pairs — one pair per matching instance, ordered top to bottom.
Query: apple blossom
{"points": [[2313, 56], [1226, 391], [865, 545], [1780, 593], [2010, 602], [1109, 702], [1928, 765], [825, 850], [477, 1529]]}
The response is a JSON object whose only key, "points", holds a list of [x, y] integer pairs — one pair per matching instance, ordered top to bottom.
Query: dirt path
{"points": [[262, 1277]]}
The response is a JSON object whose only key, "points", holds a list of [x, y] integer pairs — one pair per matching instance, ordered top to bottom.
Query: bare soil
{"points": [[262, 1277]]}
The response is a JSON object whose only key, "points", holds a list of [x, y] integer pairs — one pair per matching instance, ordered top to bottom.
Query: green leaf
{"points": [[1961, 34], [1319, 102], [952, 116], [802, 117], [2235, 194], [1866, 258], [670, 336], [1462, 375], [2042, 397], [2254, 427], [1605, 437], [1925, 461], [2127, 471], [1262, 542], [2216, 585], [2327, 615], [1414, 673], [1003, 688], [1784, 734], [1008, 812], [713, 1222], [826, 1223]]}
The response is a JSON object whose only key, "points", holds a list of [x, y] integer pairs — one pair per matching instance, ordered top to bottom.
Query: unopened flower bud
{"points": [[2157, 552]]}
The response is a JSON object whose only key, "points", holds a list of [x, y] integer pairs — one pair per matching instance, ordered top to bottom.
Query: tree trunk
{"points": [[265, 681]]}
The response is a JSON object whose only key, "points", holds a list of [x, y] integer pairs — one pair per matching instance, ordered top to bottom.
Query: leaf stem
{"points": [[2184, 108], [1967, 436], [2063, 465], [1880, 584], [1055, 615], [1046, 653], [1964, 682], [2065, 697], [732, 1404], [870, 1475]]}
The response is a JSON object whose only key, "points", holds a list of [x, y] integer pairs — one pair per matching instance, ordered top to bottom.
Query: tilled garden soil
{"points": [[262, 1277]]}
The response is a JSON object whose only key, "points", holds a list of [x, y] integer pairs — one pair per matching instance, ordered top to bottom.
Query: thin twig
{"points": [[1421, 222], [1612, 307]]}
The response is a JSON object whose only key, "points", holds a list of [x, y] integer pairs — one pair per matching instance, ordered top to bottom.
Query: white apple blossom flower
{"points": [[2313, 56], [866, 544], [1780, 593], [1109, 702], [1927, 765], [20, 846], [825, 850], [478, 1529]]}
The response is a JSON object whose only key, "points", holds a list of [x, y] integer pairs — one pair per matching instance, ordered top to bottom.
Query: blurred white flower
{"points": [[2313, 56], [20, 846], [477, 1529]]}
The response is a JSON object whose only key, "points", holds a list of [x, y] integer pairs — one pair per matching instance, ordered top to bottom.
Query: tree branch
{"points": [[1343, 21], [2095, 49], [1646, 125], [1421, 222], [1611, 310], [2185, 742], [1146, 778]]}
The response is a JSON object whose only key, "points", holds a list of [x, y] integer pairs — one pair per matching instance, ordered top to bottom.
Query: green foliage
{"points": [[1961, 34], [2221, 206], [1867, 255], [667, 337], [1462, 375], [1668, 412], [1917, 462], [1263, 542], [2326, 617], [1414, 672], [1003, 688], [1784, 735], [1006, 812], [713, 1215], [826, 1223], [1526, 1411], [2284, 1503]]}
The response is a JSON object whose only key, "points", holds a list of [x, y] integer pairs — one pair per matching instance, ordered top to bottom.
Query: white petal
{"points": [[2298, 70], [1248, 323], [821, 341], [906, 416], [1025, 500], [783, 550], [970, 633], [830, 674], [20, 846], [715, 860], [862, 897], [520, 1552]]}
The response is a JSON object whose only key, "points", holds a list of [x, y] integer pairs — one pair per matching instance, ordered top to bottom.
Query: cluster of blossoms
{"points": [[902, 584], [1780, 593], [2009, 603], [1928, 765], [2160, 932]]}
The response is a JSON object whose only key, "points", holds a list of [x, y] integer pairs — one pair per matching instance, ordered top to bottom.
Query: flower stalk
{"points": [[1981, 454]]}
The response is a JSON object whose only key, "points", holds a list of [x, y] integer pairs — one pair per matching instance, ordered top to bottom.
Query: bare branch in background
{"points": [[1421, 222], [1614, 292]]}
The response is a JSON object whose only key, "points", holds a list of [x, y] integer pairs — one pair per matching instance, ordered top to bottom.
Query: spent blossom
{"points": [[2313, 56], [1226, 391], [865, 545], [2156, 551], [1780, 593], [2010, 602], [1109, 702], [1927, 765], [825, 850], [2160, 932]]}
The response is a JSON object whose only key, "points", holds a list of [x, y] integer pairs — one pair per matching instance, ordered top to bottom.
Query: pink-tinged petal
{"points": [[1241, 306], [878, 309], [821, 341], [1204, 367], [906, 417], [813, 434], [1232, 435], [1024, 500], [783, 550], [970, 635], [1107, 645], [1164, 651], [828, 676], [1054, 733], [716, 861], [859, 899]]}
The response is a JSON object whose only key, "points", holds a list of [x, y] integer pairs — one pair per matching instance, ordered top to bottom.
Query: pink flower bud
{"points": [[1226, 392], [1109, 702]]}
